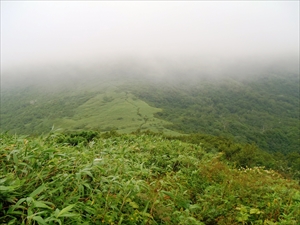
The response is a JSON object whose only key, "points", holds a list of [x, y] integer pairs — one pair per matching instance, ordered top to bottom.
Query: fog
{"points": [[42, 39]]}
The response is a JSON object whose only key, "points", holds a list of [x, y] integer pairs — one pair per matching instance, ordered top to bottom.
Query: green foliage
{"points": [[264, 110], [32, 111], [35, 112], [76, 138], [246, 155], [140, 178]]}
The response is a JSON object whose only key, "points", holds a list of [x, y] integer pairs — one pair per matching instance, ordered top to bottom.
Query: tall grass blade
{"points": [[38, 191]]}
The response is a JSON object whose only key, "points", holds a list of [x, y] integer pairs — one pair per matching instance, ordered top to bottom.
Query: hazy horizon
{"points": [[208, 36]]}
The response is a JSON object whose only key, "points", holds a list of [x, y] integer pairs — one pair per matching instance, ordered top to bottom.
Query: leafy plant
{"points": [[141, 178]]}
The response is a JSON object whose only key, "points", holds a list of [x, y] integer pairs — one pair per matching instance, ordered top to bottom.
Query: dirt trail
{"points": [[137, 111]]}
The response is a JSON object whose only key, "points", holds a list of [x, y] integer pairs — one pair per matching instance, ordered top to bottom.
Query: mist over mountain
{"points": [[69, 41], [214, 67], [160, 70]]}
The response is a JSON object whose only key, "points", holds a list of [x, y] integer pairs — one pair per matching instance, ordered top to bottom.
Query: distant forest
{"points": [[264, 110]]}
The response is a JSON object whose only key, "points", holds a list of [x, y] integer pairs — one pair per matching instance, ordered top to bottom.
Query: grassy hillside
{"points": [[263, 110], [34, 111], [114, 111], [88, 178]]}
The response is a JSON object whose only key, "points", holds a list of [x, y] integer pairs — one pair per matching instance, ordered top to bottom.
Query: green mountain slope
{"points": [[115, 110], [263, 110], [34, 112]]}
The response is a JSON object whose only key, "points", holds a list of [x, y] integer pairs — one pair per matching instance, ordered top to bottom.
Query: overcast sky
{"points": [[37, 32]]}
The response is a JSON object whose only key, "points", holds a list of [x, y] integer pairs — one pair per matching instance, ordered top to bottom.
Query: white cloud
{"points": [[37, 32]]}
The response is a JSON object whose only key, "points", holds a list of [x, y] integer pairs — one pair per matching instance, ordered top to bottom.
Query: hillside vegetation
{"points": [[263, 110], [35, 113], [141, 178]]}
